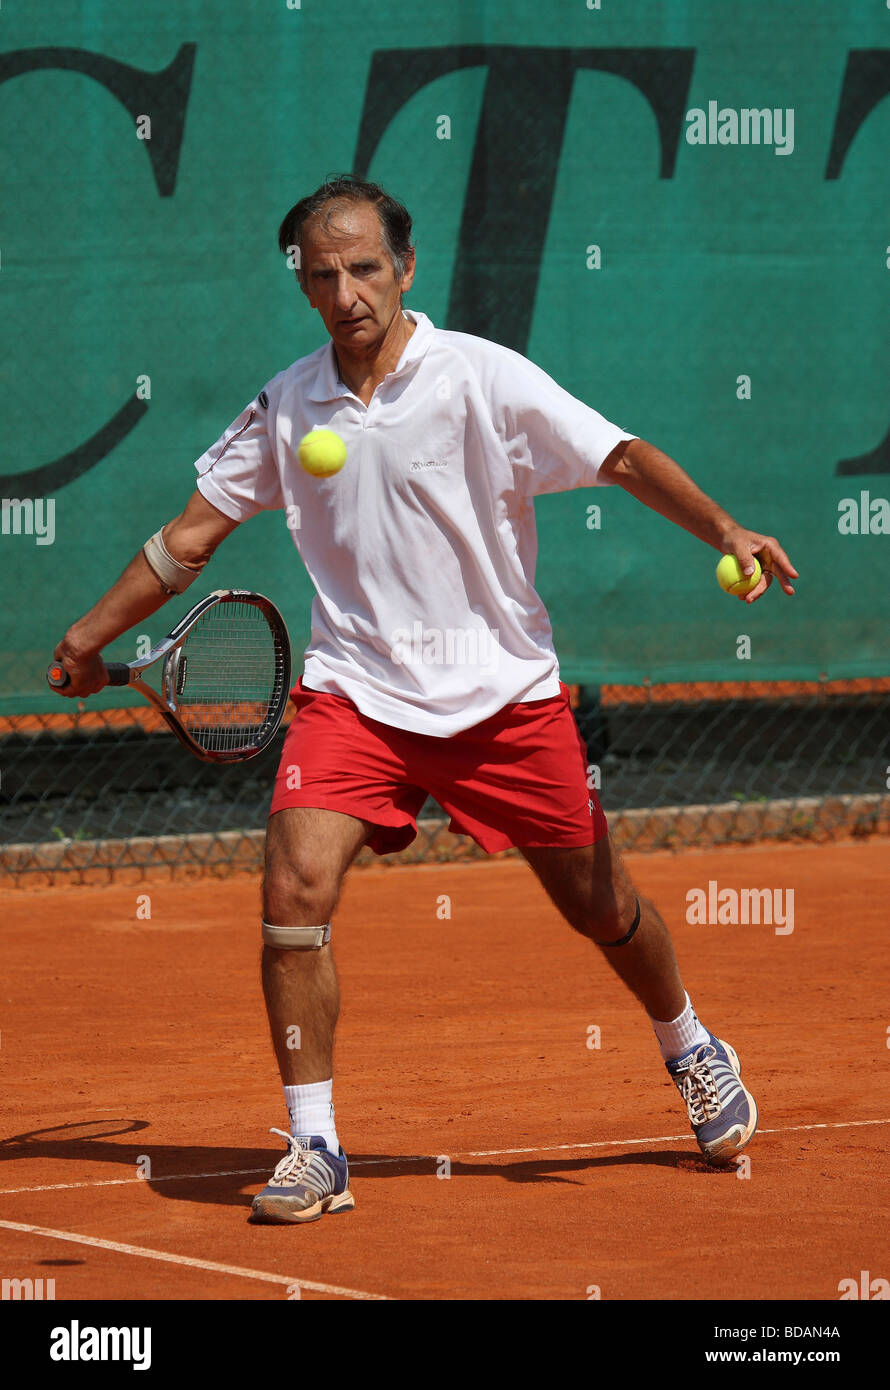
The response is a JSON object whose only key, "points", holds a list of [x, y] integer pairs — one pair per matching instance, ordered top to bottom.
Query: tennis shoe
{"points": [[722, 1113], [308, 1182]]}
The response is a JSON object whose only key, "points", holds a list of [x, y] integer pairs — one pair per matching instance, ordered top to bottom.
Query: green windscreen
{"points": [[679, 210]]}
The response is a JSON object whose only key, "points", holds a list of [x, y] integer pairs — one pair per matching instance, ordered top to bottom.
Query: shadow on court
{"points": [[176, 1171]]}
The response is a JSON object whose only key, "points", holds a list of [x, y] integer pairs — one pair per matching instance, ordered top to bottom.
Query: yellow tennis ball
{"points": [[322, 453], [731, 578]]}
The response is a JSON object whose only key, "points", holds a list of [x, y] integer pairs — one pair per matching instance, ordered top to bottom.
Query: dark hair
{"points": [[395, 220]]}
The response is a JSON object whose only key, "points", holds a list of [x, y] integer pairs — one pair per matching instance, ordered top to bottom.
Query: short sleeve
{"points": [[554, 441], [238, 474]]}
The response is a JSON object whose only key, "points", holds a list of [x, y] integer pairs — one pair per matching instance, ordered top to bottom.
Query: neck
{"points": [[362, 372]]}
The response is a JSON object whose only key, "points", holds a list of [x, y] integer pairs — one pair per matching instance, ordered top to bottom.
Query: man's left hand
{"points": [[745, 545]]}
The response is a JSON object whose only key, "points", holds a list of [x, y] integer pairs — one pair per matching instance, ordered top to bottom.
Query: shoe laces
{"points": [[699, 1088], [291, 1168]]}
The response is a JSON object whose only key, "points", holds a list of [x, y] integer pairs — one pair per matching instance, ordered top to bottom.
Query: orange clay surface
{"points": [[135, 1046]]}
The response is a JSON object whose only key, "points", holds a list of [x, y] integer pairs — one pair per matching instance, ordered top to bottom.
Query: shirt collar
{"points": [[326, 385]]}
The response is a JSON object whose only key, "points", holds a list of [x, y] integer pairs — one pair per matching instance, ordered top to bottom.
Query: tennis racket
{"points": [[225, 676]]}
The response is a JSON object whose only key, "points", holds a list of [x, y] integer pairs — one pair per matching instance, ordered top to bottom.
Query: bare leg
{"points": [[307, 854], [592, 890]]}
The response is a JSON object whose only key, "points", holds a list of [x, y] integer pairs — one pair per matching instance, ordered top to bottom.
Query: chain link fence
{"points": [[100, 795]]}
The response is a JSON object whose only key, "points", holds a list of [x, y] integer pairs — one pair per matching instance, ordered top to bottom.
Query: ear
{"points": [[410, 265]]}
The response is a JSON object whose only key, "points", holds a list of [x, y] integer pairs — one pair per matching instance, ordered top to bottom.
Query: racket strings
{"points": [[230, 677]]}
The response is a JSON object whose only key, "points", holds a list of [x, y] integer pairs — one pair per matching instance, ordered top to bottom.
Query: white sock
{"points": [[681, 1035], [311, 1111]]}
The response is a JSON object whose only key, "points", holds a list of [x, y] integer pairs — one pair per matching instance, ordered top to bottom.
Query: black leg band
{"points": [[623, 940]]}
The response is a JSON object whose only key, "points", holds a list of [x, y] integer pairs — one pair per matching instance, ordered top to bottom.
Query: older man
{"points": [[431, 667]]}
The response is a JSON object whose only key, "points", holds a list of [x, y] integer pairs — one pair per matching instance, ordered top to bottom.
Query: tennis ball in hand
{"points": [[322, 453], [731, 578]]}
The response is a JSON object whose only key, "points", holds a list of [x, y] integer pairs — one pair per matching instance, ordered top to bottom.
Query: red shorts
{"points": [[518, 778]]}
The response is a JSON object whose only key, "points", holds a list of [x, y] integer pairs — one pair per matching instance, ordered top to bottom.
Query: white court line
{"points": [[656, 1139], [432, 1158], [187, 1177], [123, 1182], [210, 1265]]}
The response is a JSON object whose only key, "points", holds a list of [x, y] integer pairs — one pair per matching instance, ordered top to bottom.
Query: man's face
{"points": [[349, 277]]}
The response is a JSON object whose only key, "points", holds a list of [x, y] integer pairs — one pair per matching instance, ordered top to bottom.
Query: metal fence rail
{"points": [[98, 794]]}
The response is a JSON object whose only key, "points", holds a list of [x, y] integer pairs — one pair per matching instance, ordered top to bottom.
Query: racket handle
{"points": [[57, 676]]}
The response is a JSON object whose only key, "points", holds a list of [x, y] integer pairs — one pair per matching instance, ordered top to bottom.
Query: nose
{"points": [[345, 293]]}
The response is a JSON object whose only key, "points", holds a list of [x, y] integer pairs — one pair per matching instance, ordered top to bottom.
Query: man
{"points": [[430, 668]]}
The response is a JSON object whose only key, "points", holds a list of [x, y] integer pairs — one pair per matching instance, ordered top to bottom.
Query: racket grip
{"points": [[57, 676]]}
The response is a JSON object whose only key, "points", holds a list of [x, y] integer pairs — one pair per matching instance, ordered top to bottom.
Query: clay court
{"points": [[135, 1045]]}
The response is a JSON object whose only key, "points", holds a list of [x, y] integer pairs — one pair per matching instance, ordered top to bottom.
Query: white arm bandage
{"points": [[174, 578]]}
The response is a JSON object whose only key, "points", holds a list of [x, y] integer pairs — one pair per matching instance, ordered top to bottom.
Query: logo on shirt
{"points": [[419, 465]]}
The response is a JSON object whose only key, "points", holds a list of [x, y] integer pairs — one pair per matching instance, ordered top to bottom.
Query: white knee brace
{"points": [[296, 938]]}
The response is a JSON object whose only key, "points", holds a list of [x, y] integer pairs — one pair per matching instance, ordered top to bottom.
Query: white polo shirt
{"points": [[422, 549]]}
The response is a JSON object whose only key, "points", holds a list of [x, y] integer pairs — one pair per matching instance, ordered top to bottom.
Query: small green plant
{"points": [[60, 834]]}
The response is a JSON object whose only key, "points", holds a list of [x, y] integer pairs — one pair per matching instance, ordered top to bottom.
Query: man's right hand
{"points": [[192, 538], [87, 674]]}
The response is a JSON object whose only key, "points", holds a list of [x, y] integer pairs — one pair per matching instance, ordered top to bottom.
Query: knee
{"points": [[297, 892], [611, 913], [604, 921], [618, 928]]}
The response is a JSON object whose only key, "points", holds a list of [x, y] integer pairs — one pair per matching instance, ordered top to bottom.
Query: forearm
{"points": [[658, 482], [190, 539], [133, 597]]}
